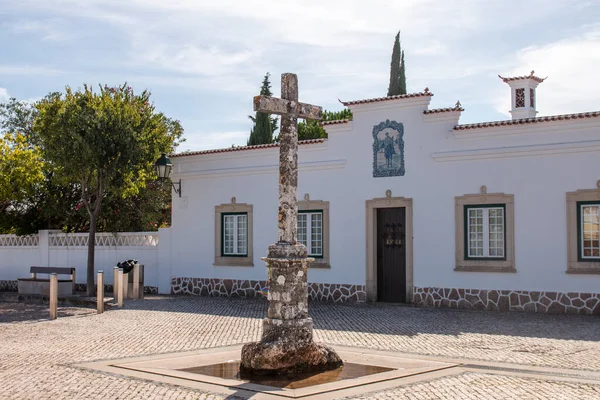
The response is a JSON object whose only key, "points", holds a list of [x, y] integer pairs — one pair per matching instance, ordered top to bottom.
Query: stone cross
{"points": [[290, 110], [287, 339]]}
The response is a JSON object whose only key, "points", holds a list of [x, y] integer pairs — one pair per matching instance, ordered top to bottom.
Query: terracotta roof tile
{"points": [[516, 78], [426, 92], [457, 107], [549, 118], [335, 122], [243, 148]]}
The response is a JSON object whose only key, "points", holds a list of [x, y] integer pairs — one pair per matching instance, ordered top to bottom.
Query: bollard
{"points": [[141, 269], [136, 281], [124, 283], [115, 284], [120, 292], [100, 294], [53, 295]]}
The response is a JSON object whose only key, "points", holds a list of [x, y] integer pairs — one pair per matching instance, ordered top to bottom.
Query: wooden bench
{"points": [[36, 285]]}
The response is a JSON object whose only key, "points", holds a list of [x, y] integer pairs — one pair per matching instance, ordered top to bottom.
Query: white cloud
{"points": [[47, 30], [338, 48], [571, 66], [28, 70], [3, 95], [213, 140]]}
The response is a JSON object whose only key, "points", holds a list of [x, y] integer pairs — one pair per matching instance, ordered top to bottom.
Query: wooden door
{"points": [[391, 255]]}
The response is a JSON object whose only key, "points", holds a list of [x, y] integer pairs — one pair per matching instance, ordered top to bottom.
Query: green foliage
{"points": [[397, 71], [402, 75], [264, 125], [311, 129], [106, 143], [21, 169], [53, 201]]}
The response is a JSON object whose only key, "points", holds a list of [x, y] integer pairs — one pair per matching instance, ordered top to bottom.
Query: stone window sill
{"points": [[233, 262], [319, 265], [485, 268], [583, 271]]}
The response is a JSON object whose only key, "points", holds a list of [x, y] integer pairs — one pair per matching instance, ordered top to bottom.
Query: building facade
{"points": [[405, 204]]}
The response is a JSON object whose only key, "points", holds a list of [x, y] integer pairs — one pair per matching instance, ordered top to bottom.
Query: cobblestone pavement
{"points": [[36, 355]]}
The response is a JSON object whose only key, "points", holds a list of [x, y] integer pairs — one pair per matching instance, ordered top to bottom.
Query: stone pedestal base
{"points": [[287, 343], [283, 357]]}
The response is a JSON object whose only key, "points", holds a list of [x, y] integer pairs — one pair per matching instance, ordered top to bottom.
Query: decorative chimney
{"points": [[523, 98]]}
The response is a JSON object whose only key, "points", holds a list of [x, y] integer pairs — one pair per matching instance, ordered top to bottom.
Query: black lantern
{"points": [[163, 169]]}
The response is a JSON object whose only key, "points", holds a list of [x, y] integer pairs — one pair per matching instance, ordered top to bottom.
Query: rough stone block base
{"points": [[508, 300], [285, 357]]}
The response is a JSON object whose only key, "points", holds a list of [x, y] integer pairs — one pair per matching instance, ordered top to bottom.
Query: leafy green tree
{"points": [[397, 71], [264, 125], [310, 129], [106, 142], [21, 169]]}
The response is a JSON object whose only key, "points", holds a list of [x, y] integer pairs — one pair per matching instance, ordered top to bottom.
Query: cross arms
{"points": [[273, 105]]}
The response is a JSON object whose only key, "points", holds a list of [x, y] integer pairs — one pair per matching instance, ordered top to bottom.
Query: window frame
{"points": [[316, 206], [468, 207], [236, 234], [309, 234], [233, 260], [463, 263], [575, 264]]}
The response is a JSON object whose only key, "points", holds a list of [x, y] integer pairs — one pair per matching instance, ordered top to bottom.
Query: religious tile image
{"points": [[388, 149]]}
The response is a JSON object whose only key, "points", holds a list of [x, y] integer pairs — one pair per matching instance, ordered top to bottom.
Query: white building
{"points": [[497, 215]]}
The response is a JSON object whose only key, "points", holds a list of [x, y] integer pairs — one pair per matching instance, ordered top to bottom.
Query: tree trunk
{"points": [[91, 254]]}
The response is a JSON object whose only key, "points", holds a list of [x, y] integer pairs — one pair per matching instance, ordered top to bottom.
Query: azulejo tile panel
{"points": [[334, 292], [508, 300]]}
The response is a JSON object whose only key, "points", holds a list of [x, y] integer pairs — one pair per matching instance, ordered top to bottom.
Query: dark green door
{"points": [[391, 255]]}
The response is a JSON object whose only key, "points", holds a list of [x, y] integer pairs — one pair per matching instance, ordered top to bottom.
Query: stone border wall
{"points": [[9, 286], [12, 286], [108, 287], [334, 292], [508, 300]]}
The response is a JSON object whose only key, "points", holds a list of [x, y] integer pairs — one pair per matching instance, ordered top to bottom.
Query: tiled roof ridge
{"points": [[516, 78], [425, 92], [457, 107], [549, 118], [335, 122], [243, 148]]}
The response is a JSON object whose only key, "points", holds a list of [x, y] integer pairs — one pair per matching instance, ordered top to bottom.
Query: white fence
{"points": [[19, 241], [53, 248]]}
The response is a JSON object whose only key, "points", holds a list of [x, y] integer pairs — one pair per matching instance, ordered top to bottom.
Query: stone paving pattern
{"points": [[509, 300], [36, 354]]}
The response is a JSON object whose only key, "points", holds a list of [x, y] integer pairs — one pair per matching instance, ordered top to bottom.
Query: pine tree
{"points": [[397, 73], [264, 124]]}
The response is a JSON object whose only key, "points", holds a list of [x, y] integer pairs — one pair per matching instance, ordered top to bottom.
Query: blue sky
{"points": [[203, 61]]}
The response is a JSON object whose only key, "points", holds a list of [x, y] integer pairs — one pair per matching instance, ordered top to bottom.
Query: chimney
{"points": [[523, 97]]}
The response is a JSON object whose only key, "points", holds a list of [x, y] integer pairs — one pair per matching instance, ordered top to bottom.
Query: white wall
{"points": [[340, 171], [72, 252]]}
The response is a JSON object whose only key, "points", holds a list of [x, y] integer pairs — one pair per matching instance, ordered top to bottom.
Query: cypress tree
{"points": [[397, 73], [402, 76], [394, 86], [264, 125]]}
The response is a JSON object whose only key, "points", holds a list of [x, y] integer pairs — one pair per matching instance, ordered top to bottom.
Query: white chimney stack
{"points": [[523, 97]]}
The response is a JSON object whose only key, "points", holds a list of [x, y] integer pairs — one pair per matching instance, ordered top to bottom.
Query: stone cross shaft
{"points": [[290, 110], [287, 339]]}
